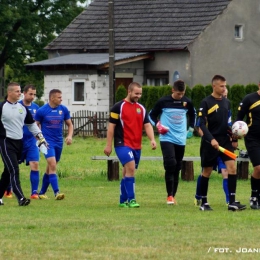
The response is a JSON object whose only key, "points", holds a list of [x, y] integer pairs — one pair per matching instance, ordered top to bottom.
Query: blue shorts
{"points": [[54, 150], [30, 153], [126, 154], [221, 165]]}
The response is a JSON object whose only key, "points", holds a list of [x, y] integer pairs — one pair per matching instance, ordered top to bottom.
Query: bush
{"points": [[250, 88], [208, 90], [164, 91], [188, 92], [121, 93], [197, 94], [237, 94], [144, 96], [152, 98], [39, 102]]}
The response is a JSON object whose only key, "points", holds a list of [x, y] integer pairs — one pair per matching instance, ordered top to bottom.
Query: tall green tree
{"points": [[26, 27]]}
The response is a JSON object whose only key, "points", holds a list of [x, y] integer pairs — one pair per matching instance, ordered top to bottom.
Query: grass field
{"points": [[89, 225]]}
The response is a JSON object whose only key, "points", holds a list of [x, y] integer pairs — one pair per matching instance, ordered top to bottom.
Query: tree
{"points": [[26, 27]]}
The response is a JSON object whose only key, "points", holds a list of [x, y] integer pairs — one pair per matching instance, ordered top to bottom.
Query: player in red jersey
{"points": [[126, 122]]}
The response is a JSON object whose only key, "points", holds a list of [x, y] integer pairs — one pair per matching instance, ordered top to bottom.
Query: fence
{"points": [[89, 123]]}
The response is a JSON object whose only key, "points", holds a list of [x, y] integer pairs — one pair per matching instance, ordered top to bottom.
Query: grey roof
{"points": [[140, 25], [84, 59]]}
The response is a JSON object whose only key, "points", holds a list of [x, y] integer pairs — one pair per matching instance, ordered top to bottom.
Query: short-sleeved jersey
{"points": [[250, 108], [173, 114], [13, 117], [214, 117], [129, 119], [51, 120], [27, 135]]}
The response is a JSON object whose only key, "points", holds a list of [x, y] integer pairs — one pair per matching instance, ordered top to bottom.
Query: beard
{"points": [[134, 99]]}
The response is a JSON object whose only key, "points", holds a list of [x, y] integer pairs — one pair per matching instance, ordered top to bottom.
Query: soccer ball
{"points": [[239, 128]]}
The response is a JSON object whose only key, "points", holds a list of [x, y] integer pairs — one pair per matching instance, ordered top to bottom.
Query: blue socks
{"points": [[35, 179], [54, 182], [45, 183], [130, 187], [225, 188], [123, 194]]}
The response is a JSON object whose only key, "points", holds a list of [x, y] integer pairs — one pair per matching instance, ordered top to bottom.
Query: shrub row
{"points": [[151, 94]]}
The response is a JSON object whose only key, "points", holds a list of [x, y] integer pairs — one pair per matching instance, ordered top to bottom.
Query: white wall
{"points": [[96, 86], [96, 97]]}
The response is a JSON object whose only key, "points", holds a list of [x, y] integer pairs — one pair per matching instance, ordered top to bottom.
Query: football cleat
{"points": [[8, 195], [34, 196], [42, 196], [59, 196], [170, 200], [24, 202], [197, 202], [254, 203], [133, 204], [123, 205], [236, 206], [205, 207]]}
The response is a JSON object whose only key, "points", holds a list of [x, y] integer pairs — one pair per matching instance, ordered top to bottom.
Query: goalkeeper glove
{"points": [[161, 128], [190, 132], [41, 140]]}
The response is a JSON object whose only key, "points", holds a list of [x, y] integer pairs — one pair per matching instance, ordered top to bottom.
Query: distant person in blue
{"points": [[50, 118], [30, 152]]}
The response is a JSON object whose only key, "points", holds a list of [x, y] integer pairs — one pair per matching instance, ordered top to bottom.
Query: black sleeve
{"points": [[242, 110], [115, 113], [155, 113], [191, 114], [29, 118], [202, 121]]}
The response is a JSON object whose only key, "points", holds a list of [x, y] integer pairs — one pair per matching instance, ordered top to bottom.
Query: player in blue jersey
{"points": [[169, 115], [50, 118], [30, 152]]}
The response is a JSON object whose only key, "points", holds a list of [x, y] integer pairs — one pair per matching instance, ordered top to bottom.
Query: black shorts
{"points": [[253, 149], [209, 154]]}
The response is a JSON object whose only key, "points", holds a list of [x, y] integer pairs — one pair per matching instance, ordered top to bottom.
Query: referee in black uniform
{"points": [[250, 108], [13, 116], [214, 119]]}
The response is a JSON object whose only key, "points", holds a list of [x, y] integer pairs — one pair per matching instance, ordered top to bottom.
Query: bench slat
{"points": [[158, 158]]}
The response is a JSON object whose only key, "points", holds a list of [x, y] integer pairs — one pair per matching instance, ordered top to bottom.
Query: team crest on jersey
{"points": [[184, 104], [138, 110], [20, 111], [34, 111], [60, 112]]}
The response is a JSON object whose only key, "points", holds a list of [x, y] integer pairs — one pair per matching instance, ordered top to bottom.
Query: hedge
{"points": [[236, 93]]}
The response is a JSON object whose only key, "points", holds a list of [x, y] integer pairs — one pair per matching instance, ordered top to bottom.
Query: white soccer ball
{"points": [[239, 128]]}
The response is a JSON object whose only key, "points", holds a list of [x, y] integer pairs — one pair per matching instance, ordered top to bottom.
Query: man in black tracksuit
{"points": [[13, 116]]}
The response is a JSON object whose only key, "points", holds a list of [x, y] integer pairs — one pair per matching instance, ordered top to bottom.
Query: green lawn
{"points": [[89, 225]]}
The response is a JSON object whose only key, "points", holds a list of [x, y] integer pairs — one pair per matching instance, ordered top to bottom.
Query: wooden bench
{"points": [[187, 170]]}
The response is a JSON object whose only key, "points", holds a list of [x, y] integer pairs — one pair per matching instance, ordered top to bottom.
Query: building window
{"points": [[238, 31], [156, 78], [78, 92]]}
